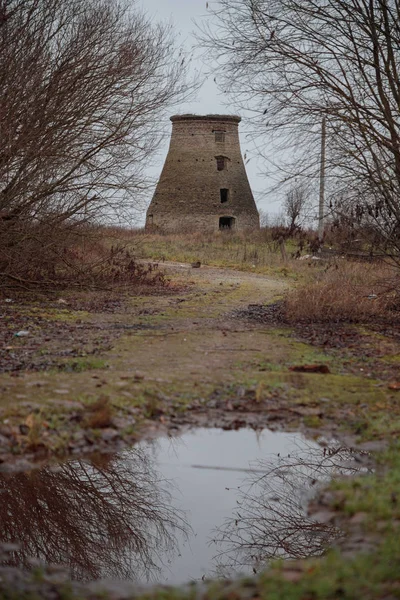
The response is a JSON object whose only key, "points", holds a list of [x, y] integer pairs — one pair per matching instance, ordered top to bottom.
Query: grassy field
{"points": [[255, 252]]}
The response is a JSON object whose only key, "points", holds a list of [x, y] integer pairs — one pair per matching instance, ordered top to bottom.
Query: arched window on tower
{"points": [[221, 163]]}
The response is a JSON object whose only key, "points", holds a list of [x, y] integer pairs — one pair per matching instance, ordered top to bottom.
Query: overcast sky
{"points": [[182, 14]]}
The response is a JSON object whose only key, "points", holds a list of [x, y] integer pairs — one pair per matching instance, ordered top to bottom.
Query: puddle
{"points": [[210, 503]]}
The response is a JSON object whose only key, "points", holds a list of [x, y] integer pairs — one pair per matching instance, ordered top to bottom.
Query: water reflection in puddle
{"points": [[208, 503]]}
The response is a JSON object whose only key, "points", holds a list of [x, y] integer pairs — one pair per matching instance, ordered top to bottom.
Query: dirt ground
{"points": [[97, 371]]}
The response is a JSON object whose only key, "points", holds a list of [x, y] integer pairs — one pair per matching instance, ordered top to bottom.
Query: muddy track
{"points": [[147, 357], [156, 364]]}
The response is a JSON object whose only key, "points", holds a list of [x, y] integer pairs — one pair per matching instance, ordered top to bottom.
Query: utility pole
{"points": [[322, 182]]}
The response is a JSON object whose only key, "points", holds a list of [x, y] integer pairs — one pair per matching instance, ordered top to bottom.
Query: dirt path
{"points": [[196, 335], [164, 338], [144, 357], [183, 358]]}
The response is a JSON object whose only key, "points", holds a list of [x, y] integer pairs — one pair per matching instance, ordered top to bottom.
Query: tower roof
{"points": [[189, 117]]}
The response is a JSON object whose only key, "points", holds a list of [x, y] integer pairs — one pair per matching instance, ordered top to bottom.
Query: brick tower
{"points": [[203, 185]]}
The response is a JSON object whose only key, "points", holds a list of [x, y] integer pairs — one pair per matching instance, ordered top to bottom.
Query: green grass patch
{"points": [[80, 364], [377, 495]]}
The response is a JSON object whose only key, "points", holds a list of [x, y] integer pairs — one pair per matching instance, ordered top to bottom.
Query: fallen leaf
{"points": [[394, 386], [30, 421], [358, 518], [292, 576]]}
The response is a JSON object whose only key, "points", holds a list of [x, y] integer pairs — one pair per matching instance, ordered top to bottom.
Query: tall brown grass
{"points": [[347, 291]]}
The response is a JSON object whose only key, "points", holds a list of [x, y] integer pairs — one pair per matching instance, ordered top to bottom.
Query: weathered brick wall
{"points": [[188, 193]]}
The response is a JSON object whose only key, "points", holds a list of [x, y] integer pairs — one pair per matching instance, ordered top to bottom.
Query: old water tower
{"points": [[203, 185]]}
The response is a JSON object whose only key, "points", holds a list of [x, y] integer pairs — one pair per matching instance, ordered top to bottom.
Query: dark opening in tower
{"points": [[221, 163], [224, 193], [227, 222]]}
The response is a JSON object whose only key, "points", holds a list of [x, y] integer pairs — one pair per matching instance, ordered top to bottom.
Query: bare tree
{"points": [[296, 62], [83, 84], [296, 206], [264, 218], [102, 518], [271, 519]]}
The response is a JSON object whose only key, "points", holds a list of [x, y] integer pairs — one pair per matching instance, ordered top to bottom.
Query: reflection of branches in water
{"points": [[107, 518], [271, 518]]}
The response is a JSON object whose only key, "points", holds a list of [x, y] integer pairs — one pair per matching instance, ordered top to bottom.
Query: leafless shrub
{"points": [[83, 84], [296, 206], [264, 218], [81, 258], [346, 291]]}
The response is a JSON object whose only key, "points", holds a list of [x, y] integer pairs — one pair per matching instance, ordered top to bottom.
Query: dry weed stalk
{"points": [[100, 414]]}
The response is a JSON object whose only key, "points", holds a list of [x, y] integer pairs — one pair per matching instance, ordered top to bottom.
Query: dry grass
{"points": [[251, 251], [347, 291], [100, 414], [35, 424]]}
